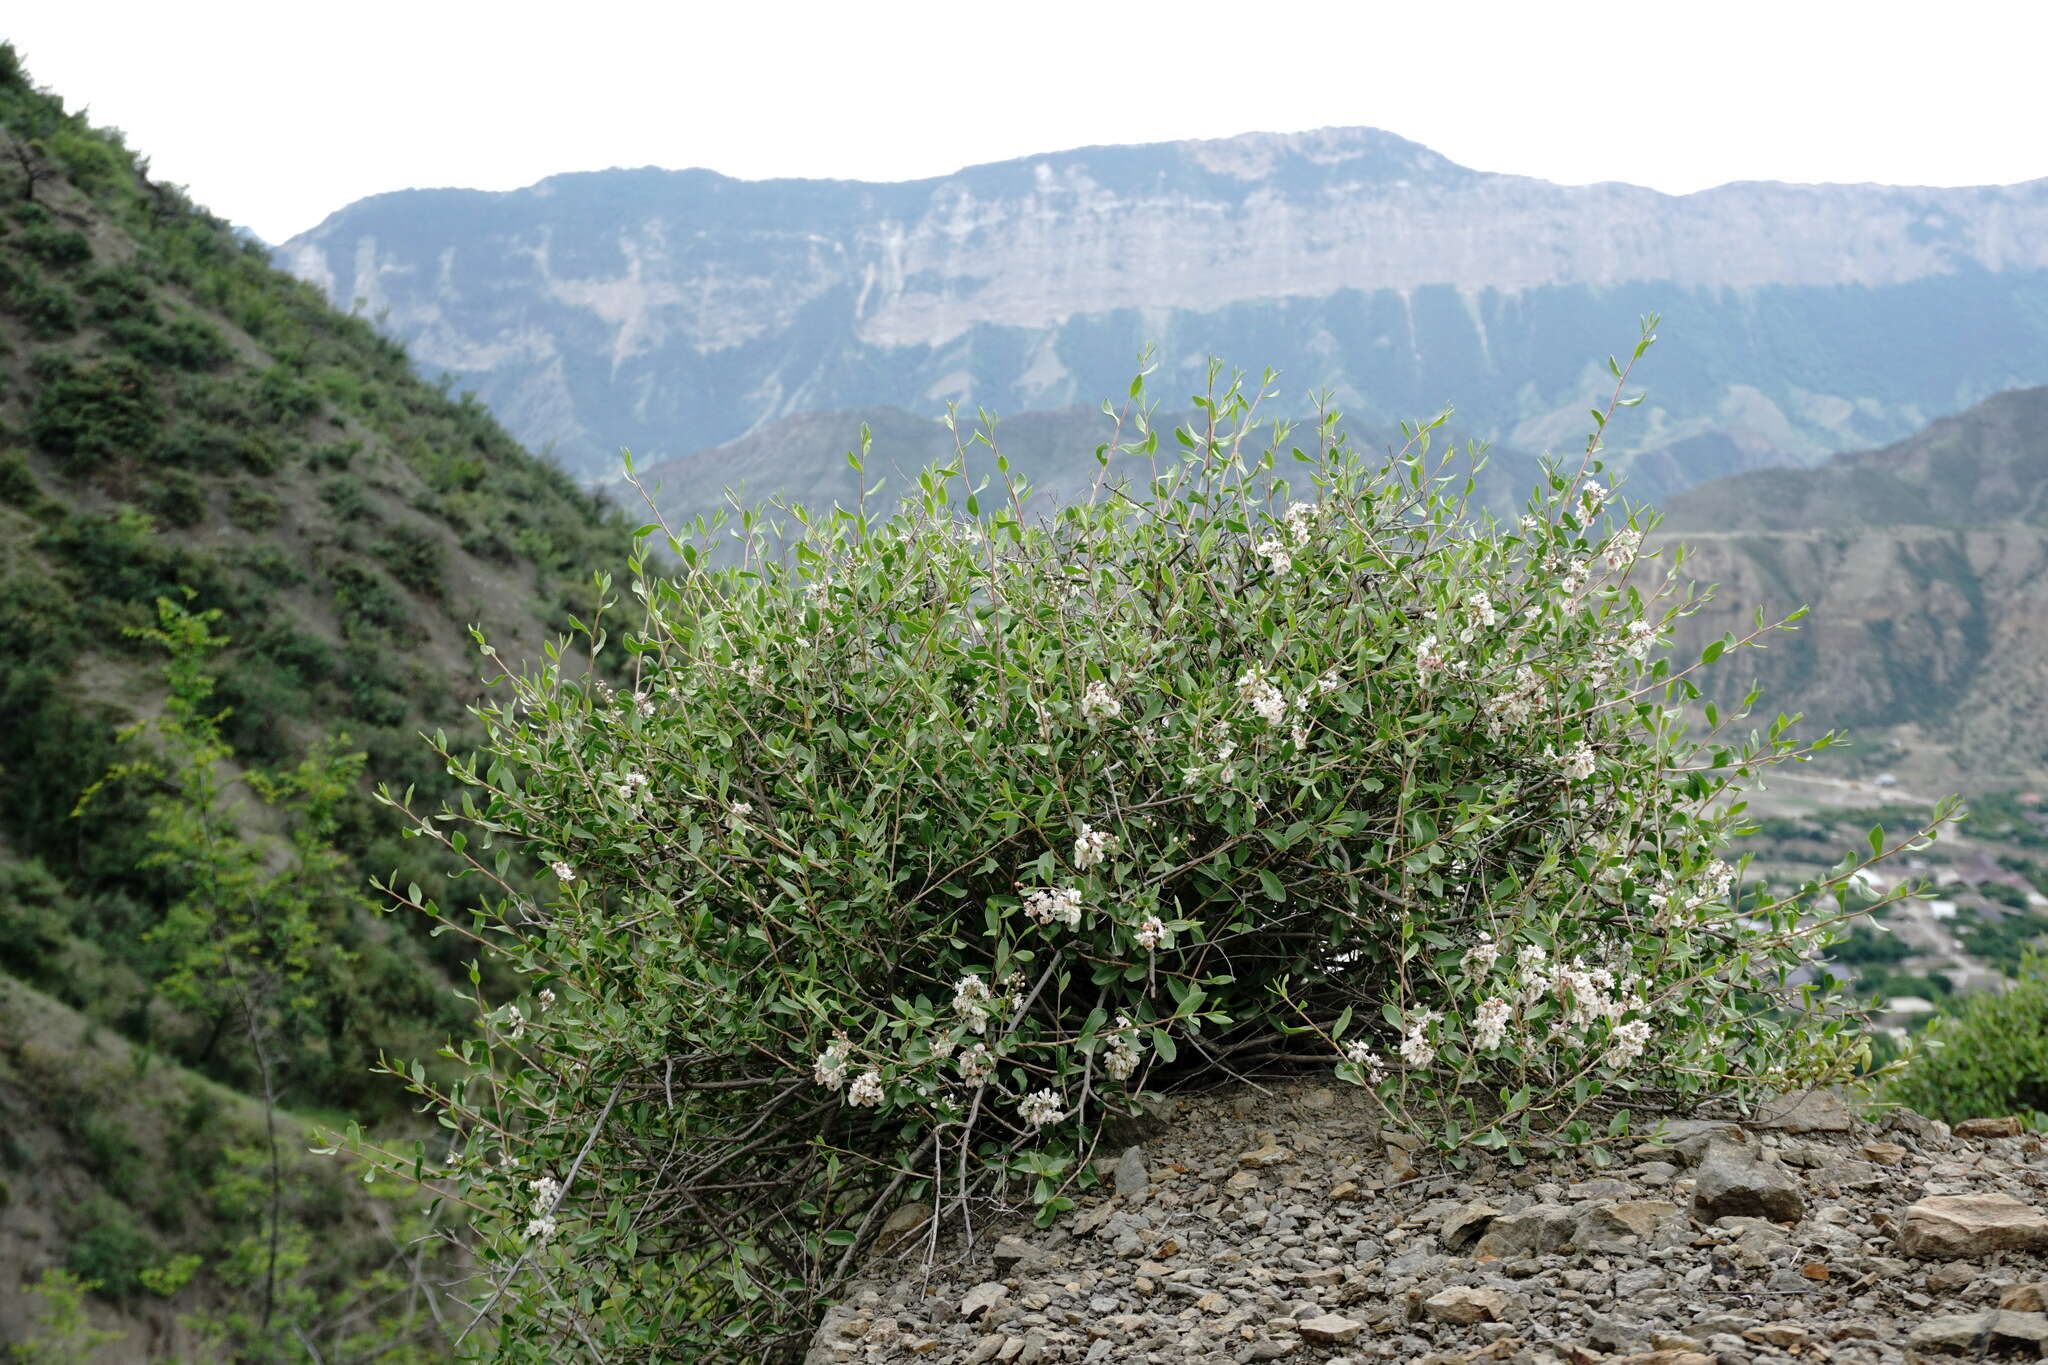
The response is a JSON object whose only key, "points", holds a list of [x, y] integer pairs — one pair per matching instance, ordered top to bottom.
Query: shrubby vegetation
{"points": [[914, 846], [1987, 1057]]}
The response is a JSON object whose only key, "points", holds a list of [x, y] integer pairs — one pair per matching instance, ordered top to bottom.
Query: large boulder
{"points": [[1737, 1181]]}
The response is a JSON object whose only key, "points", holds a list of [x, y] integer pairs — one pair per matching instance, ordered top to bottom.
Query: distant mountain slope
{"points": [[671, 311], [803, 459], [1926, 567]]}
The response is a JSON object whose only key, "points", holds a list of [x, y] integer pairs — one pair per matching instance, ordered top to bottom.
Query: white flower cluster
{"points": [[1594, 495], [1301, 521], [1622, 548], [1274, 551], [1480, 609], [1637, 639], [1430, 657], [1266, 699], [1098, 703], [1516, 705], [1579, 763], [632, 787], [736, 815], [1092, 846], [562, 871], [1710, 888], [1061, 904], [1151, 932], [1481, 956], [1592, 994], [974, 1003], [1490, 1024], [1627, 1044], [1417, 1050], [1360, 1054], [1120, 1058], [976, 1064], [831, 1067], [866, 1090], [1041, 1107], [547, 1192]]}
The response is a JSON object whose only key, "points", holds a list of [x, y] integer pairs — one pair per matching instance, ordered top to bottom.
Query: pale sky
{"points": [[276, 114]]}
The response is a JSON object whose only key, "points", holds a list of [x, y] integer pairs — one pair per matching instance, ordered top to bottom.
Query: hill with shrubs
{"points": [[241, 521], [1925, 564]]}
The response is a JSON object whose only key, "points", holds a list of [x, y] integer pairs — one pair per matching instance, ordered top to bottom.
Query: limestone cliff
{"points": [[671, 311]]}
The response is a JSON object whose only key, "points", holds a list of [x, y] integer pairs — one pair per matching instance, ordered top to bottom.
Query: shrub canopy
{"points": [[917, 846]]}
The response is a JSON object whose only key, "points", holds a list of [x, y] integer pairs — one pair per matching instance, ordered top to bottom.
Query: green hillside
{"points": [[180, 421]]}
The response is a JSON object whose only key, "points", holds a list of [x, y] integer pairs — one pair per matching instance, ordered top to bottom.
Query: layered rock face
{"points": [[672, 311], [1280, 1224]]}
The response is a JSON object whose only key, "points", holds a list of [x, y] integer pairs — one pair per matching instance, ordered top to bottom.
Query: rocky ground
{"points": [[1277, 1224]]}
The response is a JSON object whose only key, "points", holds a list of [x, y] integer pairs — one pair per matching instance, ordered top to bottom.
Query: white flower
{"points": [[1593, 495], [1301, 522], [1622, 548], [1278, 560], [1481, 608], [1640, 636], [1429, 656], [1329, 681], [1266, 699], [643, 703], [1098, 703], [1578, 765], [737, 815], [1092, 846], [562, 871], [1063, 904], [1151, 932], [1481, 956], [547, 999], [974, 1002], [515, 1023], [1490, 1025], [1627, 1044], [1416, 1048], [1360, 1054], [1121, 1058], [976, 1063], [830, 1068], [866, 1090], [1041, 1107], [546, 1192], [540, 1229]]}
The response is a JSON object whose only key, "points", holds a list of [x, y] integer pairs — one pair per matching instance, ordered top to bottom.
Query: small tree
{"points": [[918, 845], [249, 922]]}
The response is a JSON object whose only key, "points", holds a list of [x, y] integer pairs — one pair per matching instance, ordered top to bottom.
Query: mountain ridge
{"points": [[674, 311]]}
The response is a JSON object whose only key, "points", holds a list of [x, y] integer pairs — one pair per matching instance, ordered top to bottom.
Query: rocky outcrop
{"points": [[672, 311], [1861, 1241]]}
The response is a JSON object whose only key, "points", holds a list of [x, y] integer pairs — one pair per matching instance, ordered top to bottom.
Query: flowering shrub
{"points": [[912, 848]]}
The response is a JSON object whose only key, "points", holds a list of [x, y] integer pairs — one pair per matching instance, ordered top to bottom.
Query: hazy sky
{"points": [[277, 114]]}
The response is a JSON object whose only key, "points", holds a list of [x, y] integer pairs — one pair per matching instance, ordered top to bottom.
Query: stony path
{"points": [[1278, 1226]]}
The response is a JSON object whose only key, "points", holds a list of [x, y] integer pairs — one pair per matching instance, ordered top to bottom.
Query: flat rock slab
{"points": [[1806, 1111], [1990, 1128], [1958, 1227], [1334, 1328], [1997, 1330]]}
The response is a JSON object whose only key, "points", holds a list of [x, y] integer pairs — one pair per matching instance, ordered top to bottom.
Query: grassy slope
{"points": [[174, 413]]}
